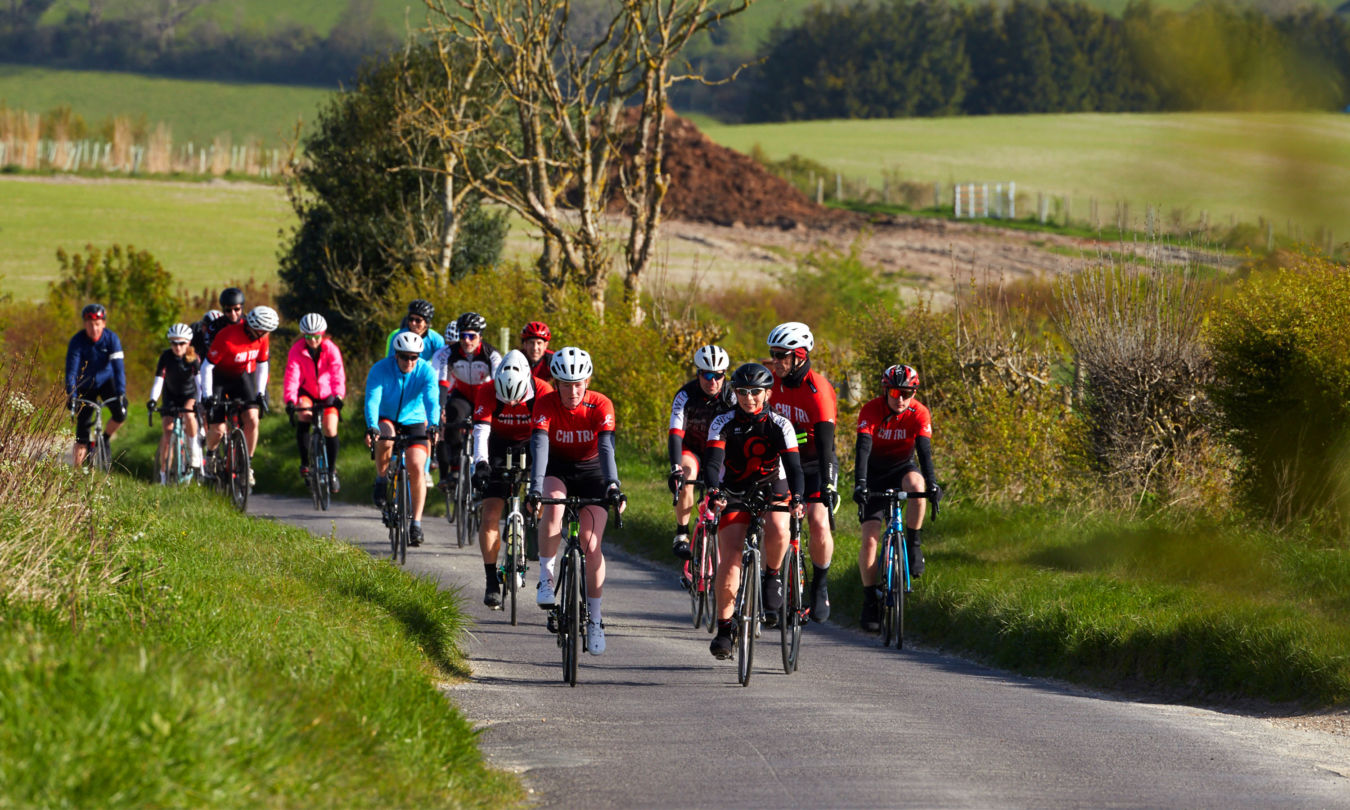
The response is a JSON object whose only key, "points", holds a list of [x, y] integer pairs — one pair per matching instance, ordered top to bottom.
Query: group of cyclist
{"points": [[765, 435]]}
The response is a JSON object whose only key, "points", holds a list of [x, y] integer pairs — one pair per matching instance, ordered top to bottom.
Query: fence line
{"points": [[157, 156]]}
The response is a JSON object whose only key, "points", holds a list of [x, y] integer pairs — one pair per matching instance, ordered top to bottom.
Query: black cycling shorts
{"points": [[240, 389], [172, 402], [84, 416], [416, 433], [892, 478], [585, 479], [815, 492], [734, 514]]}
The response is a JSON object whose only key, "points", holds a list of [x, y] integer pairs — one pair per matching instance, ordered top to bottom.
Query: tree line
{"points": [[899, 58]]}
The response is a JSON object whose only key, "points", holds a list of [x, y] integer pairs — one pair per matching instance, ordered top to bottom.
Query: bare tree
{"points": [[564, 93]]}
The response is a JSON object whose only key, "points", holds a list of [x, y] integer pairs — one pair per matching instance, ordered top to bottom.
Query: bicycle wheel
{"points": [[102, 455], [318, 469], [239, 470], [182, 472], [462, 487], [391, 515], [404, 516], [515, 558], [900, 579], [710, 580], [886, 584], [697, 602], [747, 618], [791, 621], [569, 625]]}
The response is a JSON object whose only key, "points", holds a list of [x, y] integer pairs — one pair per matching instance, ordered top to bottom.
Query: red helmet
{"points": [[536, 329], [901, 376]]}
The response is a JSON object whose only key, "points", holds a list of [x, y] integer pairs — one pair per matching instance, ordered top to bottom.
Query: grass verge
{"points": [[234, 662]]}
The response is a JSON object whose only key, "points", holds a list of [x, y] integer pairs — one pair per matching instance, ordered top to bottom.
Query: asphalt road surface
{"points": [[657, 722]]}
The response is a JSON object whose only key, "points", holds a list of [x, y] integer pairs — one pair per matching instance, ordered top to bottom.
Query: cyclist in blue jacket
{"points": [[94, 371], [402, 398]]}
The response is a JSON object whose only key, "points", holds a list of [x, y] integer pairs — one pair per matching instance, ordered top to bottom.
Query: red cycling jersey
{"points": [[234, 354], [806, 405], [510, 422], [893, 434], [574, 435]]}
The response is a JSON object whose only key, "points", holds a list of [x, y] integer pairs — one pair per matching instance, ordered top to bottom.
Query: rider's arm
{"points": [[72, 363], [118, 366], [208, 370], [339, 371], [261, 376], [290, 378], [156, 387], [373, 395], [431, 396], [481, 430], [675, 438], [606, 441], [923, 448], [539, 452], [861, 453], [713, 457], [792, 461], [829, 466]]}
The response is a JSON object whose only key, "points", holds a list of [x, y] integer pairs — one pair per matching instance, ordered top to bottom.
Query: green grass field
{"points": [[196, 111], [1285, 167], [203, 233]]}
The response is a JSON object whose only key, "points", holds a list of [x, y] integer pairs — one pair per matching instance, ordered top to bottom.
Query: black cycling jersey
{"points": [[180, 375], [691, 413], [755, 449]]}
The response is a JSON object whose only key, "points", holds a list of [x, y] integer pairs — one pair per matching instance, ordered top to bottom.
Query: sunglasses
{"points": [[234, 309], [416, 319], [468, 335], [318, 336], [178, 343], [779, 354], [405, 356], [712, 375], [749, 392], [900, 393]]}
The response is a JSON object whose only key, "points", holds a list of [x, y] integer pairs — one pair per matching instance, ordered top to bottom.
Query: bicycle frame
{"points": [[98, 455], [319, 463], [181, 472], [232, 476], [397, 514], [513, 566], [893, 574], [748, 607], [570, 614]]}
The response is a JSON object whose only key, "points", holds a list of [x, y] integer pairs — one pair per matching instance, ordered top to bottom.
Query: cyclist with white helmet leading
{"points": [[465, 368], [236, 369], [95, 371], [176, 381], [313, 388], [806, 398], [401, 399], [695, 405], [501, 428], [892, 430], [573, 447]]}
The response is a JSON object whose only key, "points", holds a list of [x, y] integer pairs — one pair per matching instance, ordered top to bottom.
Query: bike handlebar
{"points": [[894, 495], [577, 502]]}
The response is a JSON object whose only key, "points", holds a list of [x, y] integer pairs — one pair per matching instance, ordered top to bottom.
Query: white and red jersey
{"points": [[233, 353], [464, 373], [805, 406], [511, 422], [893, 433], [574, 435]]}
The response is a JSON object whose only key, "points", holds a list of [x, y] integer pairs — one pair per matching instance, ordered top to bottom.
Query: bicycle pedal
{"points": [[553, 623]]}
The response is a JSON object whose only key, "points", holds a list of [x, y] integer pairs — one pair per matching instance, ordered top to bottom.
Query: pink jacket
{"points": [[322, 380]]}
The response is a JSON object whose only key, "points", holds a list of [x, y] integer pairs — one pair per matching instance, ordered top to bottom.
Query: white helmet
{"points": [[263, 319], [313, 324], [179, 331], [452, 332], [792, 335], [408, 343], [711, 358], [571, 364], [512, 379]]}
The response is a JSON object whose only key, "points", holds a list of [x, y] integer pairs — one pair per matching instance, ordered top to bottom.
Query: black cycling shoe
{"points": [[378, 494], [415, 535], [680, 547], [915, 560], [492, 597], [773, 598], [820, 600], [870, 621], [722, 644]]}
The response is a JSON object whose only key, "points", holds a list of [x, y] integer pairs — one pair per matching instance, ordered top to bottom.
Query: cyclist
{"points": [[418, 321], [201, 331], [534, 340], [466, 368], [236, 369], [95, 371], [176, 380], [315, 381], [806, 398], [401, 399], [696, 404], [501, 427], [892, 429], [573, 448], [750, 448]]}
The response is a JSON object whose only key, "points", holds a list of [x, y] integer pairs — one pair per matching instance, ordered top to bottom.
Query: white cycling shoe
{"points": [[544, 597], [595, 638]]}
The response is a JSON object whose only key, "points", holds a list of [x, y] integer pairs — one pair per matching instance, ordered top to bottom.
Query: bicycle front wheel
{"points": [[102, 454], [319, 469], [239, 470], [182, 471], [462, 490], [404, 516], [515, 558], [710, 579], [899, 581], [697, 602], [747, 618], [570, 621], [791, 621]]}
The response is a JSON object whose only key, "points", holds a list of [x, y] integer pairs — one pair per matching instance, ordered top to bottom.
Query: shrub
{"points": [[1282, 372]]}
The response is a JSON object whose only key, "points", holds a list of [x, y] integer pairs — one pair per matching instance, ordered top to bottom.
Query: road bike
{"points": [[99, 456], [175, 468], [233, 469], [319, 478], [462, 508], [397, 512], [893, 563], [513, 566], [700, 571], [795, 610], [748, 611], [569, 616]]}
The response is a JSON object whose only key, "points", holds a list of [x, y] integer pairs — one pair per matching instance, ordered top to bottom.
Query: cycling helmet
{"points": [[231, 297], [422, 308], [95, 311], [211, 315], [263, 319], [472, 322], [313, 324], [536, 329], [179, 331], [452, 332], [792, 335], [408, 342], [711, 358], [571, 364], [751, 375], [900, 376], [512, 379]]}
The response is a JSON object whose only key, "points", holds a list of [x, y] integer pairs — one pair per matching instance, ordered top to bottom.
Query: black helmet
{"points": [[231, 297], [422, 308], [95, 311], [472, 322], [751, 375]]}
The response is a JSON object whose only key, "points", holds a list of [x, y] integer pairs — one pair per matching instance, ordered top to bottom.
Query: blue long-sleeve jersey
{"points": [[432, 342], [91, 365], [404, 399]]}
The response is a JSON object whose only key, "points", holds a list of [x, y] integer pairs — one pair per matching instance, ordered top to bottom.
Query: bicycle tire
{"points": [[102, 454], [318, 456], [239, 464], [182, 473], [462, 487], [404, 515], [391, 518], [515, 542], [900, 564], [696, 584], [886, 584], [710, 591], [571, 618], [747, 619], [791, 622]]}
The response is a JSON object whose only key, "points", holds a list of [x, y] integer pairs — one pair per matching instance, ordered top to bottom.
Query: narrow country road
{"points": [[657, 722]]}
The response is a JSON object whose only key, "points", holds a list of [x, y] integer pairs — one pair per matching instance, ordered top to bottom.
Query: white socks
{"points": [[547, 566], [593, 605]]}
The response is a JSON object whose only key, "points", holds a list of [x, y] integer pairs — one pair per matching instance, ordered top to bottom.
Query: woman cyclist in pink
{"points": [[315, 382]]}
